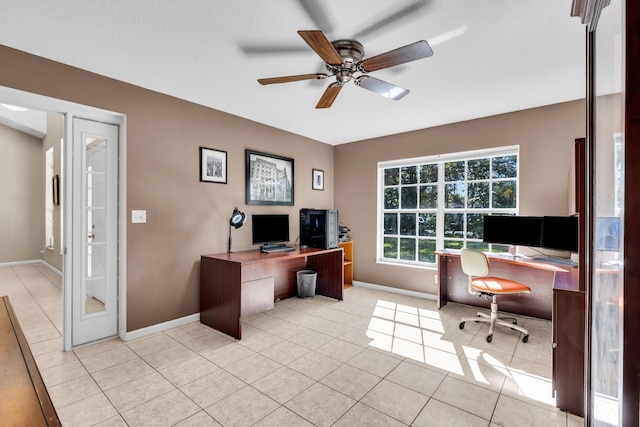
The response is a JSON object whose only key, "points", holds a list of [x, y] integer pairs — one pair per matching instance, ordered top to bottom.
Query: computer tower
{"points": [[319, 228]]}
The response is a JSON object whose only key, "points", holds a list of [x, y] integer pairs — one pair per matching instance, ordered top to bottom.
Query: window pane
{"points": [[505, 167], [478, 169], [454, 171], [428, 173], [410, 175], [392, 176], [504, 194], [478, 195], [454, 196], [409, 197], [428, 197], [391, 198], [390, 223], [475, 223], [408, 224], [427, 224], [453, 225], [453, 244], [480, 246], [390, 247], [499, 248], [408, 249], [426, 250]]}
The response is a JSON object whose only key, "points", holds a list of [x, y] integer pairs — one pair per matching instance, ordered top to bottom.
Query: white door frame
{"points": [[71, 110]]}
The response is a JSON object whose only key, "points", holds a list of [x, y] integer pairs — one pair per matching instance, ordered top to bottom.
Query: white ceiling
{"points": [[490, 57]]}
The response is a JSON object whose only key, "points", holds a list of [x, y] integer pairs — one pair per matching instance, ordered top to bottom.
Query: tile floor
{"points": [[374, 359]]}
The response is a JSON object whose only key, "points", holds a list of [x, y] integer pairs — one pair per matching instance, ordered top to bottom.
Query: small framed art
{"points": [[213, 165], [318, 179]]}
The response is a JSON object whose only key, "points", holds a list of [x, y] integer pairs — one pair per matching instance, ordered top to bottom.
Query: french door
{"points": [[94, 300]]}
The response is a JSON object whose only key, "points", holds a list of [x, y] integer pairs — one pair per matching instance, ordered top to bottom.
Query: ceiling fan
{"points": [[344, 61]]}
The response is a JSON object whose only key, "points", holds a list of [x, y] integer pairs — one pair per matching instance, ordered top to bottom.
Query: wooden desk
{"points": [[453, 284], [233, 285], [24, 400]]}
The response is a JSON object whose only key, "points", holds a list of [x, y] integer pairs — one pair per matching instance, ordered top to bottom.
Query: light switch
{"points": [[138, 217]]}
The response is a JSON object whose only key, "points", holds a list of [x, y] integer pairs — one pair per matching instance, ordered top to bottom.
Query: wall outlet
{"points": [[138, 217]]}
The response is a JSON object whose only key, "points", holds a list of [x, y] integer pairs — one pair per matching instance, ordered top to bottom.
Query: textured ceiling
{"points": [[490, 57]]}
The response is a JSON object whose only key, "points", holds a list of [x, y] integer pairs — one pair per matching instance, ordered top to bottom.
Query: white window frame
{"points": [[440, 159]]}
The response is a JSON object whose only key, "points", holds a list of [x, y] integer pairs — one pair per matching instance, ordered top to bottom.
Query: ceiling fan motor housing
{"points": [[351, 53]]}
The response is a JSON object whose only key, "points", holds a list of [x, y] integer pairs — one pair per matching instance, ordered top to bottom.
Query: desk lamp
{"points": [[237, 219]]}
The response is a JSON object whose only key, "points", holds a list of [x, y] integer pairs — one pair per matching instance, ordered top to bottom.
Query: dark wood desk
{"points": [[542, 278], [233, 285], [24, 400]]}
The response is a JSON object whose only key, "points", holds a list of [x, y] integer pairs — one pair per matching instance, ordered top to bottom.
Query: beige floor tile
{"points": [[286, 330], [189, 332], [310, 339], [260, 340], [208, 342], [152, 344], [49, 346], [99, 347], [339, 350], [285, 352], [228, 355], [170, 356], [54, 358], [97, 361], [374, 362], [315, 365], [253, 368], [189, 370], [61, 373], [122, 373], [481, 373], [416, 378], [352, 381], [530, 382], [284, 384], [211, 388], [73, 391], [138, 391], [468, 397], [395, 400], [320, 405], [242, 408], [164, 410], [87, 412], [510, 413], [438, 414], [364, 416], [283, 417], [199, 419], [116, 421]]}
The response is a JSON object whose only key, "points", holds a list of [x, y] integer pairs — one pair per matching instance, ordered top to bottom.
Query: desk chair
{"points": [[475, 263]]}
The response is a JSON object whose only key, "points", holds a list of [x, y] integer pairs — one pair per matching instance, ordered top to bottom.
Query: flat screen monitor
{"points": [[269, 228], [513, 230], [560, 233], [607, 235]]}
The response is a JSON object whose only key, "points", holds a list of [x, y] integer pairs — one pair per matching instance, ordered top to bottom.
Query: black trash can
{"points": [[306, 283]]}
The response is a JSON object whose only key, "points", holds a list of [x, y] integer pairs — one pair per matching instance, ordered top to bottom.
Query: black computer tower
{"points": [[319, 228]]}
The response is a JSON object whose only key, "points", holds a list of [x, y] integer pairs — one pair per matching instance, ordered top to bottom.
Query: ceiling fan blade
{"points": [[317, 14], [393, 19], [319, 43], [401, 55], [287, 79], [381, 87], [329, 95]]}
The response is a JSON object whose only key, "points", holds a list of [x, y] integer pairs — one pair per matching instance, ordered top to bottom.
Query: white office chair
{"points": [[475, 263]]}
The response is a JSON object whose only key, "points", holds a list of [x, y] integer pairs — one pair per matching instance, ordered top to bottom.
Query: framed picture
{"points": [[213, 165], [269, 179], [318, 179], [55, 187]]}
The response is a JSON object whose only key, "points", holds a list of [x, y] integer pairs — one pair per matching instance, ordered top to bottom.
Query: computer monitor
{"points": [[269, 228], [513, 230], [560, 233]]}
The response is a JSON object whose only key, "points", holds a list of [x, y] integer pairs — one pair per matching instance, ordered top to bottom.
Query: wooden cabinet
{"points": [[347, 247]]}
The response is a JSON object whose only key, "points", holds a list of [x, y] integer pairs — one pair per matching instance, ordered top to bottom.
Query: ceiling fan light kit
{"points": [[344, 58]]}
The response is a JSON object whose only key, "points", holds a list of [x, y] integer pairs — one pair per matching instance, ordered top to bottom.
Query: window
{"points": [[48, 200], [439, 202]]}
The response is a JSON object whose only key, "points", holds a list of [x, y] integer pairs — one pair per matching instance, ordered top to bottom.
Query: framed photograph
{"points": [[213, 165], [269, 179], [318, 179], [55, 187]]}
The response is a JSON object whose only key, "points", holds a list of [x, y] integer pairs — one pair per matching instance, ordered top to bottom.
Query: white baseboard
{"points": [[9, 264], [51, 267], [393, 290], [143, 332]]}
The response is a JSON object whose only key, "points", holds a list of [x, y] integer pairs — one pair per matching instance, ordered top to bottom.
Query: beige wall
{"points": [[55, 124], [545, 136], [21, 201], [185, 218]]}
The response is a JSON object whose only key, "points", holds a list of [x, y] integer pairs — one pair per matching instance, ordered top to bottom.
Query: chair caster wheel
{"points": [[515, 322], [461, 325], [489, 338], [525, 338]]}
